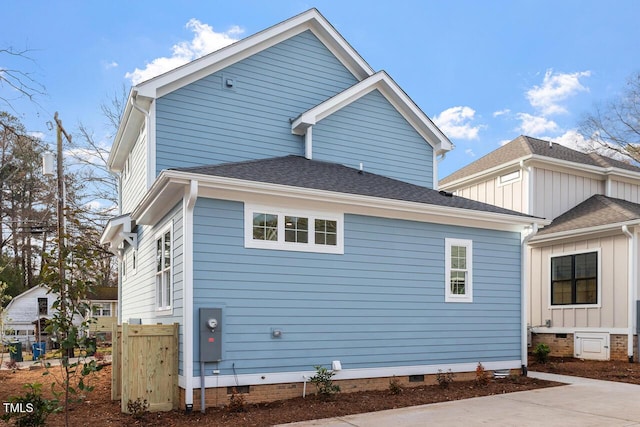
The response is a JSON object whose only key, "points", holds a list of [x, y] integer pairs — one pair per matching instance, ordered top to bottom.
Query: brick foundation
{"points": [[561, 345], [271, 392]]}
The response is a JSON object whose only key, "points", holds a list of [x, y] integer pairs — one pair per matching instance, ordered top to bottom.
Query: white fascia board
{"points": [[309, 20], [382, 82], [127, 134], [542, 160], [482, 175], [169, 187], [114, 228], [582, 232]]}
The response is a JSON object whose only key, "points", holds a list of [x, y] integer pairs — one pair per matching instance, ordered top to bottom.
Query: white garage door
{"points": [[591, 345]]}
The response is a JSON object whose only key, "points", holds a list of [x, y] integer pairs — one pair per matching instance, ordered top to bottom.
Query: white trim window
{"points": [[510, 177], [293, 230], [164, 255], [458, 270], [575, 279], [102, 309]]}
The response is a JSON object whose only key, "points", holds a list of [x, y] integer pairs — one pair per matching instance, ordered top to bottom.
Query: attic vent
{"points": [[445, 193]]}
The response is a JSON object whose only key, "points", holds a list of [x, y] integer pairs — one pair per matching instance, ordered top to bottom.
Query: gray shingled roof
{"points": [[524, 146], [300, 172], [596, 211]]}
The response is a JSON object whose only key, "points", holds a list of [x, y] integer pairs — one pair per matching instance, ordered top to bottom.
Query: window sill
{"points": [[164, 311]]}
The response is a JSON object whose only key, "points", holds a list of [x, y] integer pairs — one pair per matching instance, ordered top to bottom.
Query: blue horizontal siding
{"points": [[202, 123], [370, 130], [379, 304]]}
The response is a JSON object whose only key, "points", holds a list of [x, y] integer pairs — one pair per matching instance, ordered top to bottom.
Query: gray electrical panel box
{"points": [[210, 334]]}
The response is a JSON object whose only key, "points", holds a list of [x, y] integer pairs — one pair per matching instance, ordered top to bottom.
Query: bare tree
{"points": [[19, 83], [616, 124]]}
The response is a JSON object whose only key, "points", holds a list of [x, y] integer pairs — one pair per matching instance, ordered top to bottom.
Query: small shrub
{"points": [[542, 353], [99, 356], [482, 377], [444, 378], [324, 384], [394, 386], [237, 402], [37, 408], [138, 408]]}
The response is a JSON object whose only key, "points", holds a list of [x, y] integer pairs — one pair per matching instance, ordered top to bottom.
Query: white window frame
{"points": [[510, 177], [281, 244], [599, 279], [448, 295], [100, 309], [165, 309]]}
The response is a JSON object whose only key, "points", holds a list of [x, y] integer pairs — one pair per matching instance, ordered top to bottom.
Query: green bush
{"points": [[542, 353], [324, 384]]}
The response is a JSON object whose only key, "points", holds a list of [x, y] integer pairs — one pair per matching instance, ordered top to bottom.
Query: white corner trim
{"points": [[188, 206]]}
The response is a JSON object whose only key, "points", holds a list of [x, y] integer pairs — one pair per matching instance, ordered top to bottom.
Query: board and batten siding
{"points": [[207, 122], [372, 132], [134, 185], [625, 190], [556, 192], [509, 196], [613, 285], [139, 289], [380, 304]]}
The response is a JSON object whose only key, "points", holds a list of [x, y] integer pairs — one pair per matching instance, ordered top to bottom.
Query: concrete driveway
{"points": [[582, 402]]}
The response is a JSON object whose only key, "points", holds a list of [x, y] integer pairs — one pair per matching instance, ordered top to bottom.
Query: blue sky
{"points": [[484, 71]]}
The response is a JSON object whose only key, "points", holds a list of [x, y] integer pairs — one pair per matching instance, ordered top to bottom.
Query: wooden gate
{"points": [[145, 365]]}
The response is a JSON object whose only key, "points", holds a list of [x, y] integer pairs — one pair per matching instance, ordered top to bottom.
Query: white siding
{"points": [[134, 185], [625, 190], [556, 192], [511, 195], [613, 284], [138, 290]]}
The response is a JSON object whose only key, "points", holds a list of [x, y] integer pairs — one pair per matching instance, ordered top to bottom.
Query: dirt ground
{"points": [[98, 409]]}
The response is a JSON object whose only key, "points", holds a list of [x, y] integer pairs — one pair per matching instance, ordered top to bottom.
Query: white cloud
{"points": [[205, 40], [109, 65], [555, 89], [501, 112], [455, 122], [535, 125], [37, 135], [505, 142], [469, 152]]}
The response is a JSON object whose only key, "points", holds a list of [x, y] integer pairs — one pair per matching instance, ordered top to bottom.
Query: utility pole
{"points": [[61, 214]]}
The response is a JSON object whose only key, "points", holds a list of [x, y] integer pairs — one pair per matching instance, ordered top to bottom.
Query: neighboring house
{"points": [[285, 185], [582, 268], [104, 309], [27, 313]]}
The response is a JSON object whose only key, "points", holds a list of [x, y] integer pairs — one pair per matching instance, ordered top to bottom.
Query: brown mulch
{"points": [[612, 370], [98, 409]]}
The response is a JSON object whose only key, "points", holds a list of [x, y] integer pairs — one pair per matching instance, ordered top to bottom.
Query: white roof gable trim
{"points": [[204, 66], [170, 81], [382, 82], [118, 230]]}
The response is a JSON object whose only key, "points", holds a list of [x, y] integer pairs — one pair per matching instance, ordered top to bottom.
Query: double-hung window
{"points": [[293, 230], [163, 270], [458, 270], [574, 279]]}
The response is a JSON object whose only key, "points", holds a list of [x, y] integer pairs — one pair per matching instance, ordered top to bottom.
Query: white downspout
{"points": [[308, 143], [189, 202], [524, 267], [631, 285]]}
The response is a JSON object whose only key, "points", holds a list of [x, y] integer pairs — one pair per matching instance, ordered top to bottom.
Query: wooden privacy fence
{"points": [[145, 365]]}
